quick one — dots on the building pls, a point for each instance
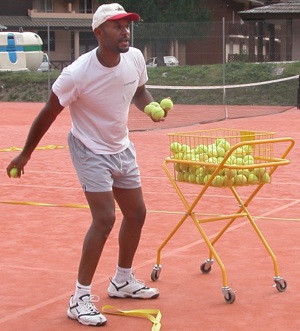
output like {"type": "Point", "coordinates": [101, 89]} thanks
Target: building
{"type": "Point", "coordinates": [63, 25]}
{"type": "Point", "coordinates": [276, 28]}
{"type": "Point", "coordinates": [65, 28]}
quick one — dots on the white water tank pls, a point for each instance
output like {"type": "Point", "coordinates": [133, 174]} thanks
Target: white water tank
{"type": "Point", "coordinates": [20, 51]}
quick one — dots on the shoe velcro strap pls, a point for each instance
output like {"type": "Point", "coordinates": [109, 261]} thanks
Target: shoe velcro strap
{"type": "Point", "coordinates": [144, 313]}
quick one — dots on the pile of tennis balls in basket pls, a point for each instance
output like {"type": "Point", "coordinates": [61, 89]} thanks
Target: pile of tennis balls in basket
{"type": "Point", "coordinates": [158, 110]}
{"type": "Point", "coordinates": [209, 157]}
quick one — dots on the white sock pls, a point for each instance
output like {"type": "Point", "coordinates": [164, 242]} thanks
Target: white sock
{"type": "Point", "coordinates": [81, 290]}
{"type": "Point", "coordinates": [122, 274]}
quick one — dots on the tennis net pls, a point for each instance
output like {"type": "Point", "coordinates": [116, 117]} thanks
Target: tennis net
{"type": "Point", "coordinates": [206, 104]}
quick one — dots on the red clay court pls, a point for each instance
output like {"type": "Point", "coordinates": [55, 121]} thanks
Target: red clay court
{"type": "Point", "coordinates": [44, 218]}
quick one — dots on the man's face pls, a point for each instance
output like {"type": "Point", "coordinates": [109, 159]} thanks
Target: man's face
{"type": "Point", "coordinates": [115, 35]}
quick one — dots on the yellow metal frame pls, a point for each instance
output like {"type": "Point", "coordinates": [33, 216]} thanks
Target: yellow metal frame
{"type": "Point", "coordinates": [266, 160]}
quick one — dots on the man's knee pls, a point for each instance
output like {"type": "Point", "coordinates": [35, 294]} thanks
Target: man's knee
{"type": "Point", "coordinates": [103, 223]}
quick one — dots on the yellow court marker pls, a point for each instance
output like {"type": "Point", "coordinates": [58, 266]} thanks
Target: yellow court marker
{"type": "Point", "coordinates": [14, 148]}
{"type": "Point", "coordinates": [146, 313]}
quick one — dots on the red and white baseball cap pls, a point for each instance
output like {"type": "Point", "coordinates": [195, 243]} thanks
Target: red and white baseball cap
{"type": "Point", "coordinates": [112, 12]}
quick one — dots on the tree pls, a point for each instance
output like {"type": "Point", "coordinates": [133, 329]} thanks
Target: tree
{"type": "Point", "coordinates": [154, 11]}
{"type": "Point", "coordinates": [162, 20]}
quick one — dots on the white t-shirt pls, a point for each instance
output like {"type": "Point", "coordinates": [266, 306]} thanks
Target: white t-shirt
{"type": "Point", "coordinates": [99, 98]}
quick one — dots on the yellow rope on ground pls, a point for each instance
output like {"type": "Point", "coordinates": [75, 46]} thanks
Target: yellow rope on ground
{"type": "Point", "coordinates": [31, 203]}
{"type": "Point", "coordinates": [144, 313]}
{"type": "Point", "coordinates": [14, 148]}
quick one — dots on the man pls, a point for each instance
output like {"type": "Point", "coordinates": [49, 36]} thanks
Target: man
{"type": "Point", "coordinates": [98, 88]}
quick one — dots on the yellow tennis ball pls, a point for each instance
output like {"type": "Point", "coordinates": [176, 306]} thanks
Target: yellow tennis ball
{"type": "Point", "coordinates": [218, 181]}
{"type": "Point", "coordinates": [157, 113]}
{"type": "Point", "coordinates": [166, 104]}
{"type": "Point", "coordinates": [180, 176]}
{"type": "Point", "coordinates": [14, 173]}
{"type": "Point", "coordinates": [148, 109]}
{"type": "Point", "coordinates": [266, 178]}
{"type": "Point", "coordinates": [175, 147]}
{"type": "Point", "coordinates": [252, 179]}
{"type": "Point", "coordinates": [154, 103]}
{"type": "Point", "coordinates": [240, 179]}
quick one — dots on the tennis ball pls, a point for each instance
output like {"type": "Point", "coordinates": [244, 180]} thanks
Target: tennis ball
{"type": "Point", "coordinates": [187, 156]}
{"type": "Point", "coordinates": [248, 159]}
{"type": "Point", "coordinates": [186, 176]}
{"type": "Point", "coordinates": [239, 161]}
{"type": "Point", "coordinates": [239, 152]}
{"type": "Point", "coordinates": [154, 103]}
{"type": "Point", "coordinates": [221, 151]}
{"type": "Point", "coordinates": [14, 173]}
{"type": "Point", "coordinates": [201, 171]}
{"type": "Point", "coordinates": [180, 176]}
{"type": "Point", "coordinates": [200, 149]}
{"type": "Point", "coordinates": [206, 178]}
{"type": "Point", "coordinates": [192, 169]}
{"type": "Point", "coordinates": [212, 159]}
{"type": "Point", "coordinates": [192, 178]}
{"type": "Point", "coordinates": [178, 156]}
{"type": "Point", "coordinates": [166, 104]}
{"type": "Point", "coordinates": [212, 150]}
{"type": "Point", "coordinates": [245, 172]}
{"type": "Point", "coordinates": [230, 173]}
{"type": "Point", "coordinates": [157, 113]}
{"type": "Point", "coordinates": [217, 181]}
{"type": "Point", "coordinates": [259, 172]}
{"type": "Point", "coordinates": [200, 179]}
{"type": "Point", "coordinates": [185, 148]}
{"type": "Point", "coordinates": [175, 147]}
{"type": "Point", "coordinates": [228, 181]}
{"type": "Point", "coordinates": [247, 149]}
{"type": "Point", "coordinates": [240, 179]}
{"type": "Point", "coordinates": [266, 178]}
{"type": "Point", "coordinates": [231, 160]}
{"type": "Point", "coordinates": [219, 140]}
{"type": "Point", "coordinates": [203, 157]}
{"type": "Point", "coordinates": [148, 109]}
{"type": "Point", "coordinates": [253, 179]}
{"type": "Point", "coordinates": [224, 144]}
{"type": "Point", "coordinates": [177, 167]}
{"type": "Point", "coordinates": [184, 167]}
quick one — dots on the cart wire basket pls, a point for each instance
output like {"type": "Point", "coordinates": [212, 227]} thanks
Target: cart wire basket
{"type": "Point", "coordinates": [226, 159]}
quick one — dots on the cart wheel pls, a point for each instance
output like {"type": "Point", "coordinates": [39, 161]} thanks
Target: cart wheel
{"type": "Point", "coordinates": [280, 285]}
{"type": "Point", "coordinates": [229, 296]}
{"type": "Point", "coordinates": [156, 272]}
{"type": "Point", "coordinates": [205, 269]}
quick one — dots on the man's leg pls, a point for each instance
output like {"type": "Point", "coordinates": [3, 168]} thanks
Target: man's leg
{"type": "Point", "coordinates": [133, 208]}
{"type": "Point", "coordinates": [81, 306]}
{"type": "Point", "coordinates": [102, 208]}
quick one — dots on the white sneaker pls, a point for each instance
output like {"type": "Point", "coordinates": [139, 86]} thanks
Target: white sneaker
{"type": "Point", "coordinates": [85, 312]}
{"type": "Point", "coordinates": [131, 289]}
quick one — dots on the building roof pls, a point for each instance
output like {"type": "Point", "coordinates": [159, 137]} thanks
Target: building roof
{"type": "Point", "coordinates": [281, 10]}
{"type": "Point", "coordinates": [15, 22]}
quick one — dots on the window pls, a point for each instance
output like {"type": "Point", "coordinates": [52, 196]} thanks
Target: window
{"type": "Point", "coordinates": [45, 6]}
{"type": "Point", "coordinates": [85, 6]}
{"type": "Point", "coordinates": [44, 37]}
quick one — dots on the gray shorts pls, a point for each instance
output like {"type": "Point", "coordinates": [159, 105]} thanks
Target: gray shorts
{"type": "Point", "coordinates": [102, 172]}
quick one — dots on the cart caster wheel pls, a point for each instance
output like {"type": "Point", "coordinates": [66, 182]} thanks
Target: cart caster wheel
{"type": "Point", "coordinates": [205, 267]}
{"type": "Point", "coordinates": [156, 272]}
{"type": "Point", "coordinates": [280, 284]}
{"type": "Point", "coordinates": [229, 295]}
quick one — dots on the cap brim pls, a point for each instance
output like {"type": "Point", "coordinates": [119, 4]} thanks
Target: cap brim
{"type": "Point", "coordinates": [129, 16]}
